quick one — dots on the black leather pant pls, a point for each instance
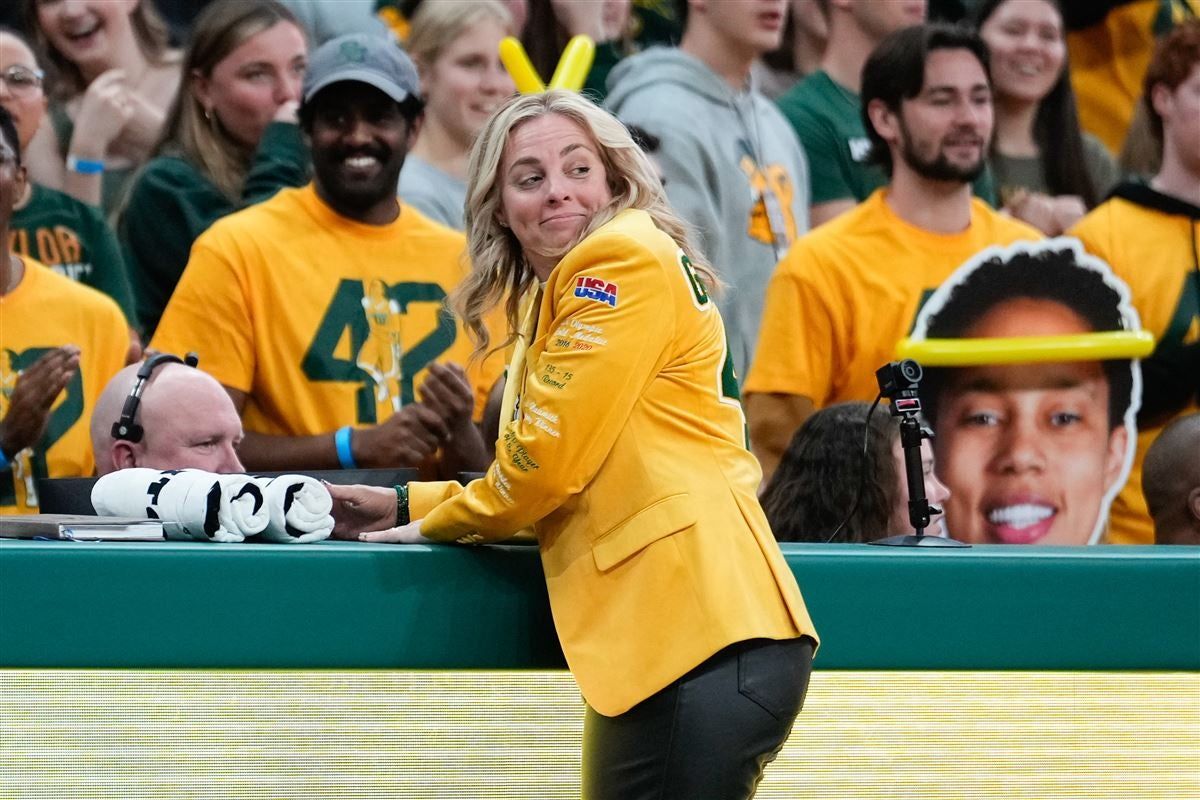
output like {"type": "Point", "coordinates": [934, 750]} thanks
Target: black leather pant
{"type": "Point", "coordinates": [707, 736]}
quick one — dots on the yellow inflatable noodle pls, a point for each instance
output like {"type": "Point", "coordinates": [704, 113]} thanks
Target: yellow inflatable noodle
{"type": "Point", "coordinates": [516, 61]}
{"type": "Point", "coordinates": [1027, 349]}
{"type": "Point", "coordinates": [573, 67]}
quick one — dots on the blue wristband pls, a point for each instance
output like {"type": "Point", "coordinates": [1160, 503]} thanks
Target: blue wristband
{"type": "Point", "coordinates": [341, 440]}
{"type": "Point", "coordinates": [85, 167]}
{"type": "Point", "coordinates": [5, 463]}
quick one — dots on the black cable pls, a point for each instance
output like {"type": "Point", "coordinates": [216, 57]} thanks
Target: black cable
{"type": "Point", "coordinates": [862, 472]}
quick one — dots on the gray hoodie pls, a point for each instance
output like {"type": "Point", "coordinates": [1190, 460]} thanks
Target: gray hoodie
{"type": "Point", "coordinates": [720, 149]}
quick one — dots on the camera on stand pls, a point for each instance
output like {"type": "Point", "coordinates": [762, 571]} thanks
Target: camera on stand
{"type": "Point", "coordinates": [899, 382]}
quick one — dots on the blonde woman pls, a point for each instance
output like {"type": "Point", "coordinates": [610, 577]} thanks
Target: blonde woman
{"type": "Point", "coordinates": [623, 448]}
{"type": "Point", "coordinates": [114, 76]}
{"type": "Point", "coordinates": [455, 46]}
{"type": "Point", "coordinates": [231, 139]}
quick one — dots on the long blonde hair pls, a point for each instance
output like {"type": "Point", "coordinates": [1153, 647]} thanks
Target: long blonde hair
{"type": "Point", "coordinates": [437, 23]}
{"type": "Point", "coordinates": [499, 270]}
{"type": "Point", "coordinates": [188, 131]}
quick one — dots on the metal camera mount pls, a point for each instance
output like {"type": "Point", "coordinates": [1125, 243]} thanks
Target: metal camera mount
{"type": "Point", "coordinates": [899, 382]}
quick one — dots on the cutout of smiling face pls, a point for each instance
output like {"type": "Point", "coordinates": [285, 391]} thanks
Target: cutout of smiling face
{"type": "Point", "coordinates": [1028, 451]}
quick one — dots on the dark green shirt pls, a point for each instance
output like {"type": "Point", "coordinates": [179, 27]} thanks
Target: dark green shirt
{"type": "Point", "coordinates": [828, 119]}
{"type": "Point", "coordinates": [73, 239]}
{"type": "Point", "coordinates": [172, 202]}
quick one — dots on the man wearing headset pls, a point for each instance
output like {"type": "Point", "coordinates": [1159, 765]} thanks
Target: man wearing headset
{"type": "Point", "coordinates": [165, 414]}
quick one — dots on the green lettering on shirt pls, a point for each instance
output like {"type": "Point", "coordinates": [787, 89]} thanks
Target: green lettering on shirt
{"type": "Point", "coordinates": [697, 286]}
{"type": "Point", "coordinates": [379, 362]}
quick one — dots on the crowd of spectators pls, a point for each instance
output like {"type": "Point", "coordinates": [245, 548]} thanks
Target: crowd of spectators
{"type": "Point", "coordinates": [233, 178]}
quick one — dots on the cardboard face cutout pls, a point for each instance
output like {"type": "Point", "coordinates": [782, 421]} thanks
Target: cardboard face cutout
{"type": "Point", "coordinates": [1035, 442]}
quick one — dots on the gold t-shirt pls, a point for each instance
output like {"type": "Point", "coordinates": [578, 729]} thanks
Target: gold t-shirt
{"type": "Point", "coordinates": [322, 321]}
{"type": "Point", "coordinates": [1154, 253]}
{"type": "Point", "coordinates": [849, 291]}
{"type": "Point", "coordinates": [47, 310]}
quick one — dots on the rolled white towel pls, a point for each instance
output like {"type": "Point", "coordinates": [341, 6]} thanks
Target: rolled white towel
{"type": "Point", "coordinates": [193, 504]}
{"type": "Point", "coordinates": [300, 508]}
{"type": "Point", "coordinates": [242, 505]}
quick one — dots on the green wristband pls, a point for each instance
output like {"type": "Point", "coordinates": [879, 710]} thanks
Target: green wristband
{"type": "Point", "coordinates": [402, 505]}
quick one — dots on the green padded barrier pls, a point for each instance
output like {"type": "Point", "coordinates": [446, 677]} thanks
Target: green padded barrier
{"type": "Point", "coordinates": [350, 605]}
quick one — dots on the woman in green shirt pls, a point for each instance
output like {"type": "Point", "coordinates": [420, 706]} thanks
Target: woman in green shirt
{"type": "Point", "coordinates": [231, 139]}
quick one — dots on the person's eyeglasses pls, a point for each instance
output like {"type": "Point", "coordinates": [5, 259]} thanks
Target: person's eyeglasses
{"type": "Point", "coordinates": [22, 81]}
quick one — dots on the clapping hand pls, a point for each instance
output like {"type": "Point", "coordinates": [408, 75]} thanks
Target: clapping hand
{"type": "Point", "coordinates": [33, 396]}
{"type": "Point", "coordinates": [407, 438]}
{"type": "Point", "coordinates": [447, 391]}
{"type": "Point", "coordinates": [440, 419]}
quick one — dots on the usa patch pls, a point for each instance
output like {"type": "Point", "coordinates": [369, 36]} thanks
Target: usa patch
{"type": "Point", "coordinates": [597, 289]}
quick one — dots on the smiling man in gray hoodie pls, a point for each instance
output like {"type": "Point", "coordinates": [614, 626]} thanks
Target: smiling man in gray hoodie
{"type": "Point", "coordinates": [733, 166]}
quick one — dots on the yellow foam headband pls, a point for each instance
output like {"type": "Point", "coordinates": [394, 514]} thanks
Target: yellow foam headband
{"type": "Point", "coordinates": [1027, 349]}
{"type": "Point", "coordinates": [570, 73]}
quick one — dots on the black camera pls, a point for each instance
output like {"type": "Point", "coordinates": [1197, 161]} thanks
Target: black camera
{"type": "Point", "coordinates": [899, 378]}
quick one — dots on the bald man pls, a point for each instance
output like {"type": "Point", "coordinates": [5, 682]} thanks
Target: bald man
{"type": "Point", "coordinates": [188, 418]}
{"type": "Point", "coordinates": [1171, 482]}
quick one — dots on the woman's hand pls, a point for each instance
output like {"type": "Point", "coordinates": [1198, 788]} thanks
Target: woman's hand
{"type": "Point", "coordinates": [105, 110]}
{"type": "Point", "coordinates": [580, 18]}
{"type": "Point", "coordinates": [288, 112]}
{"type": "Point", "coordinates": [1050, 215]}
{"type": "Point", "coordinates": [144, 126]}
{"type": "Point", "coordinates": [1068, 209]}
{"type": "Point", "coordinates": [361, 508]}
{"type": "Point", "coordinates": [1032, 208]}
{"type": "Point", "coordinates": [602, 20]}
{"type": "Point", "coordinates": [405, 534]}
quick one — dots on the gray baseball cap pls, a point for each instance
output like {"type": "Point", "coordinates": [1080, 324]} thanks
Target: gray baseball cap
{"type": "Point", "coordinates": [363, 58]}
